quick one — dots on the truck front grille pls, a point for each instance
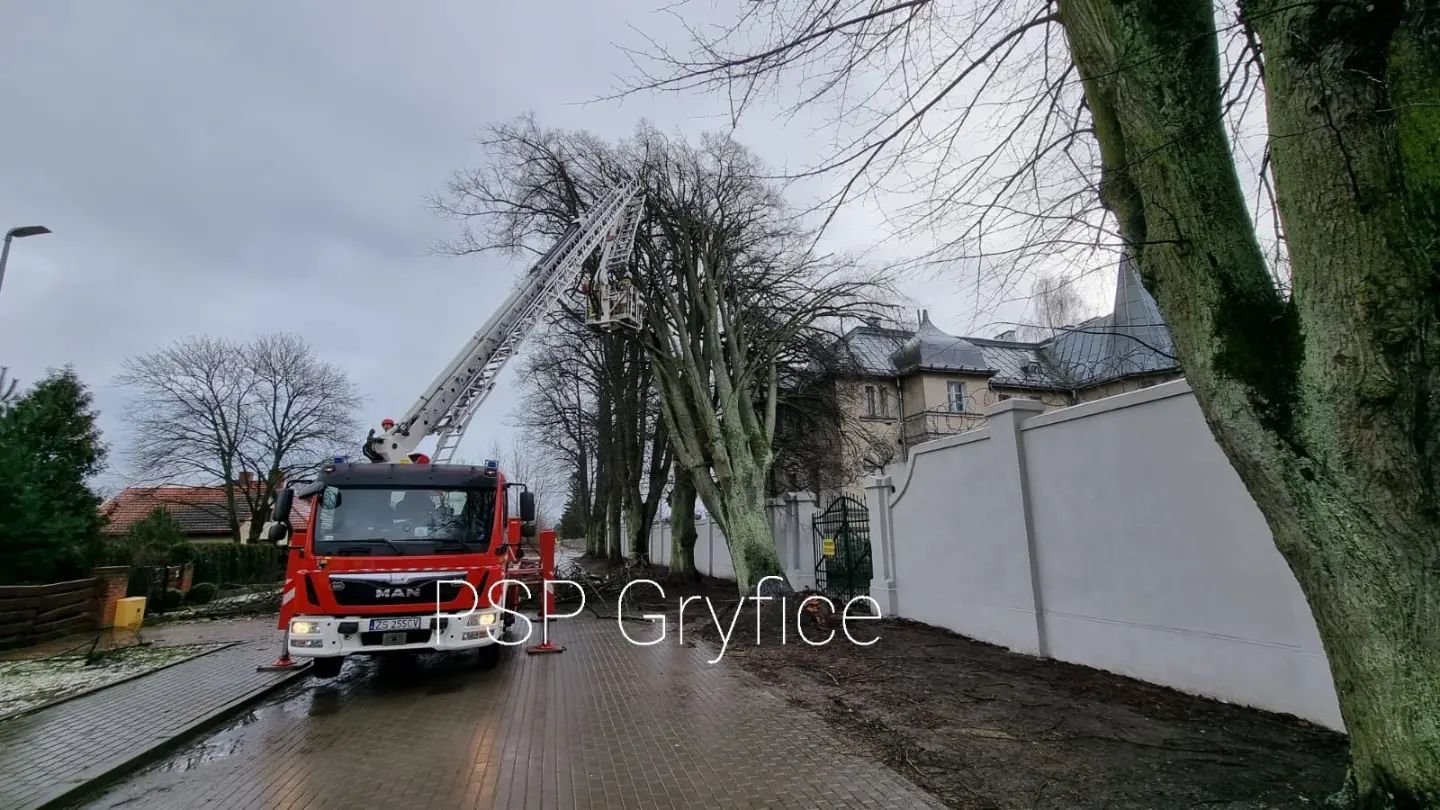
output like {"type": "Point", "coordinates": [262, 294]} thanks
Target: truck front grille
{"type": "Point", "coordinates": [364, 591]}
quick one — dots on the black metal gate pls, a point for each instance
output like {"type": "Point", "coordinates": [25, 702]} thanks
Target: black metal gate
{"type": "Point", "coordinates": [842, 548]}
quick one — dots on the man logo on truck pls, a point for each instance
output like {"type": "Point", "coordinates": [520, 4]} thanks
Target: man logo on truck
{"type": "Point", "coordinates": [398, 593]}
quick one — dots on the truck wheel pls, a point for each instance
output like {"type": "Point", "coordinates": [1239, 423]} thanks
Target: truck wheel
{"type": "Point", "coordinates": [327, 667]}
{"type": "Point", "coordinates": [489, 656]}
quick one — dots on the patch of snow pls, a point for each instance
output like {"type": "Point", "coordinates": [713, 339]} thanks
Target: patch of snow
{"type": "Point", "coordinates": [25, 684]}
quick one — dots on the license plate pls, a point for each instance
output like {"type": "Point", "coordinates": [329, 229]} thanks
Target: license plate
{"type": "Point", "coordinates": [392, 638]}
{"type": "Point", "coordinates": [407, 623]}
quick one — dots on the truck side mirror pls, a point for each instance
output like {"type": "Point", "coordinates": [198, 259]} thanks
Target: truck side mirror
{"type": "Point", "coordinates": [280, 513]}
{"type": "Point", "coordinates": [278, 533]}
{"type": "Point", "coordinates": [527, 507]}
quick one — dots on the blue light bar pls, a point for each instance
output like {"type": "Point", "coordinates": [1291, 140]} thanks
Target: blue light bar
{"type": "Point", "coordinates": [491, 466]}
{"type": "Point", "coordinates": [341, 459]}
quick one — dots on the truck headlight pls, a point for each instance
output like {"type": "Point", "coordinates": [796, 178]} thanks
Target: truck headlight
{"type": "Point", "coordinates": [303, 628]}
{"type": "Point", "coordinates": [487, 618]}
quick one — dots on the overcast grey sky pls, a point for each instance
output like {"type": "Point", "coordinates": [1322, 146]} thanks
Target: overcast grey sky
{"type": "Point", "coordinates": [235, 169]}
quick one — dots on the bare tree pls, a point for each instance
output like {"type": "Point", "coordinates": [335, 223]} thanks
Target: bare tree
{"type": "Point", "coordinates": [191, 415]}
{"type": "Point", "coordinates": [303, 410]}
{"type": "Point", "coordinates": [557, 412]}
{"type": "Point", "coordinates": [245, 416]}
{"type": "Point", "coordinates": [734, 296]}
{"type": "Point", "coordinates": [741, 249]}
{"type": "Point", "coordinates": [534, 183]}
{"type": "Point", "coordinates": [524, 462]}
{"type": "Point", "coordinates": [8, 385]}
{"type": "Point", "coordinates": [1054, 304]}
{"type": "Point", "coordinates": [1296, 270]}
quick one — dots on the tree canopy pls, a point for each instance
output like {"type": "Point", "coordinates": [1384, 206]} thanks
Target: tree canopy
{"type": "Point", "coordinates": [49, 448]}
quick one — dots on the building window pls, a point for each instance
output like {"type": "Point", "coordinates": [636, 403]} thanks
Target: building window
{"type": "Point", "coordinates": [871, 401]}
{"type": "Point", "coordinates": [955, 390]}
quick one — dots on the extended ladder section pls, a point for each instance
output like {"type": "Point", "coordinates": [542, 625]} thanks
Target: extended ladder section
{"type": "Point", "coordinates": [616, 302]}
{"type": "Point", "coordinates": [450, 402]}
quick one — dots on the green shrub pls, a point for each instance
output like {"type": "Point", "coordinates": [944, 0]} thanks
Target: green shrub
{"type": "Point", "coordinates": [172, 598]}
{"type": "Point", "coordinates": [201, 592]}
{"type": "Point", "coordinates": [181, 553]}
{"type": "Point", "coordinates": [152, 537]}
{"type": "Point", "coordinates": [115, 551]}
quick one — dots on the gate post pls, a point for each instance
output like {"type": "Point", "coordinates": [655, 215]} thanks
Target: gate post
{"type": "Point", "coordinates": [800, 565]}
{"type": "Point", "coordinates": [779, 530]}
{"type": "Point", "coordinates": [882, 545]}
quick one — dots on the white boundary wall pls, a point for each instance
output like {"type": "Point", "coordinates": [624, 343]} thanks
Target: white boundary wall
{"type": "Point", "coordinates": [789, 520]}
{"type": "Point", "coordinates": [1113, 534]}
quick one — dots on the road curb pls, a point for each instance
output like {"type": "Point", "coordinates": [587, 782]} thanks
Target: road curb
{"type": "Point", "coordinates": [151, 752]}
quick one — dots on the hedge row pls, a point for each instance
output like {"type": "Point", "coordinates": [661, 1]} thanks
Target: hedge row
{"type": "Point", "coordinates": [221, 563]}
{"type": "Point", "coordinates": [233, 564]}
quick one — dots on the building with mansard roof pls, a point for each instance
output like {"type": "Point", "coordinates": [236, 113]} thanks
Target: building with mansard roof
{"type": "Point", "coordinates": [903, 387]}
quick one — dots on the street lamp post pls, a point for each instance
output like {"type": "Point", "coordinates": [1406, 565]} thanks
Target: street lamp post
{"type": "Point", "coordinates": [20, 232]}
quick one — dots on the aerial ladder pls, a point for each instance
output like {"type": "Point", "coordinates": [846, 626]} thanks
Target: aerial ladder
{"type": "Point", "coordinates": [447, 406]}
{"type": "Point", "coordinates": [378, 562]}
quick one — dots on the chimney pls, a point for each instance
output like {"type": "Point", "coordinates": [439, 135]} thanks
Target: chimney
{"type": "Point", "coordinates": [246, 479]}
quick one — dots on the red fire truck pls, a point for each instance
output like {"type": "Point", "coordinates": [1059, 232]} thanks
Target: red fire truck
{"type": "Point", "coordinates": [402, 553]}
{"type": "Point", "coordinates": [400, 557]}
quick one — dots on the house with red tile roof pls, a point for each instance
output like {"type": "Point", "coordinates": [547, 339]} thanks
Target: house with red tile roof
{"type": "Point", "coordinates": [202, 511]}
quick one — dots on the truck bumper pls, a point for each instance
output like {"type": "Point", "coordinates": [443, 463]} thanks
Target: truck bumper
{"type": "Point", "coordinates": [326, 636]}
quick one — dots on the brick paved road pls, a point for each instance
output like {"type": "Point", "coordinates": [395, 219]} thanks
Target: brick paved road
{"type": "Point", "coordinates": [46, 754]}
{"type": "Point", "coordinates": [604, 725]}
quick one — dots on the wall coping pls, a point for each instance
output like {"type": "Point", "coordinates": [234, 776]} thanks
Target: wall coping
{"type": "Point", "coordinates": [1013, 404]}
{"type": "Point", "coordinates": [1129, 399]}
{"type": "Point", "coordinates": [968, 437]}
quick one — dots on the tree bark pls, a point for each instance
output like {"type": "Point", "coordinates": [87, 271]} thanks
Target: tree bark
{"type": "Point", "coordinates": [1322, 400]}
{"type": "Point", "coordinates": [746, 523]}
{"type": "Point", "coordinates": [596, 544]}
{"type": "Point", "coordinates": [682, 529]}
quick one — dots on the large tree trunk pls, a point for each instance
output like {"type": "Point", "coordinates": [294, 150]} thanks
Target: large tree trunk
{"type": "Point", "coordinates": [614, 522]}
{"type": "Point", "coordinates": [657, 470]}
{"type": "Point", "coordinates": [738, 505]}
{"type": "Point", "coordinates": [232, 505]}
{"type": "Point", "coordinates": [596, 540]}
{"type": "Point", "coordinates": [595, 512]}
{"type": "Point", "coordinates": [682, 528]}
{"type": "Point", "coordinates": [1324, 400]}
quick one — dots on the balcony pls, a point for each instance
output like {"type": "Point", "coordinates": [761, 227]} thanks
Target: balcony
{"type": "Point", "coordinates": [925, 426]}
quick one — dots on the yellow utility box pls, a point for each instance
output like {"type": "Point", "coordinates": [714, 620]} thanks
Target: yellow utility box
{"type": "Point", "coordinates": [130, 612]}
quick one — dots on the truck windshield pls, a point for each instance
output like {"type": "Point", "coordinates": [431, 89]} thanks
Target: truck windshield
{"type": "Point", "coordinates": [376, 520]}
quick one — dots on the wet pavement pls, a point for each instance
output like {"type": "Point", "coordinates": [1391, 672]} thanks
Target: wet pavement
{"type": "Point", "coordinates": [49, 753]}
{"type": "Point", "coordinates": [605, 724]}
